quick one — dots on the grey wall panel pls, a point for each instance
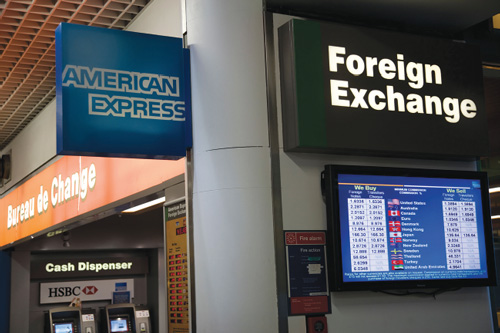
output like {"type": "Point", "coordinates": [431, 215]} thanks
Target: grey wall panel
{"type": "Point", "coordinates": [33, 147]}
{"type": "Point", "coordinates": [20, 292]}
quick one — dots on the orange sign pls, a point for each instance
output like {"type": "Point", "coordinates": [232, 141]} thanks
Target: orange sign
{"type": "Point", "coordinates": [76, 185]}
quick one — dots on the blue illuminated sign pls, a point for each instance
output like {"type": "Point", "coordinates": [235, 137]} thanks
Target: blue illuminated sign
{"type": "Point", "coordinates": [121, 93]}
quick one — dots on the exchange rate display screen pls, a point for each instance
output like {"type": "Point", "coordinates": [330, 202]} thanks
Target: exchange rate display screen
{"type": "Point", "coordinates": [407, 228]}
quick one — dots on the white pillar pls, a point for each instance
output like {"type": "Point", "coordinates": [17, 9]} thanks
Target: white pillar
{"type": "Point", "coordinates": [232, 206]}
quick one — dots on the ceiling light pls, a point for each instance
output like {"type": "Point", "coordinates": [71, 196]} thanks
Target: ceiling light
{"type": "Point", "coordinates": [495, 217]}
{"type": "Point", "coordinates": [494, 189]}
{"type": "Point", "coordinates": [145, 205]}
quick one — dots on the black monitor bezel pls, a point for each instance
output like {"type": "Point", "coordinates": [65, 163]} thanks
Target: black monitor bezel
{"type": "Point", "coordinates": [330, 188]}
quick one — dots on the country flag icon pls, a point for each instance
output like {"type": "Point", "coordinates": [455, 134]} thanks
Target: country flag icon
{"type": "Point", "coordinates": [395, 223]}
{"type": "Point", "coordinates": [397, 246]}
{"type": "Point", "coordinates": [393, 204]}
{"type": "Point", "coordinates": [397, 267]}
{"type": "Point", "coordinates": [398, 229]}
{"type": "Point", "coordinates": [397, 262]}
{"type": "Point", "coordinates": [395, 234]}
{"type": "Point", "coordinates": [394, 213]}
{"type": "Point", "coordinates": [396, 240]}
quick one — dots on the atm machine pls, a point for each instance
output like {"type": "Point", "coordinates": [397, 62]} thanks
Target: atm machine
{"type": "Point", "coordinates": [70, 320]}
{"type": "Point", "coordinates": [126, 318]}
{"type": "Point", "coordinates": [89, 320]}
{"type": "Point", "coordinates": [143, 321]}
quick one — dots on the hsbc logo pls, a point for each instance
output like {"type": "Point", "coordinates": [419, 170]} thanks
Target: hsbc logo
{"type": "Point", "coordinates": [89, 290]}
{"type": "Point", "coordinates": [72, 291]}
{"type": "Point", "coordinates": [64, 291]}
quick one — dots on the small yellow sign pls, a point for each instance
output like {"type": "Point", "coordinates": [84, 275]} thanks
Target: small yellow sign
{"type": "Point", "coordinates": [177, 267]}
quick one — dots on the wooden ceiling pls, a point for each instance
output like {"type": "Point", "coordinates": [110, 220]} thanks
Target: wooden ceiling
{"type": "Point", "coordinates": [27, 50]}
{"type": "Point", "coordinates": [27, 57]}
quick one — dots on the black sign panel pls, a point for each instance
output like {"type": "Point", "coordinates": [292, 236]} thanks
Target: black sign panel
{"type": "Point", "coordinates": [83, 267]}
{"type": "Point", "coordinates": [348, 89]}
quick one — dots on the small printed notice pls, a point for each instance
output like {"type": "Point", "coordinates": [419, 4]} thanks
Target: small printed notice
{"type": "Point", "coordinates": [308, 291]}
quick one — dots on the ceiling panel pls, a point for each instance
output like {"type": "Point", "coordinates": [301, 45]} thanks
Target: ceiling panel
{"type": "Point", "coordinates": [27, 50]}
{"type": "Point", "coordinates": [436, 16]}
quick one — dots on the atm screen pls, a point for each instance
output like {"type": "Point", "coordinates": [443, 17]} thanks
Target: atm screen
{"type": "Point", "coordinates": [119, 325]}
{"type": "Point", "coordinates": [63, 328]}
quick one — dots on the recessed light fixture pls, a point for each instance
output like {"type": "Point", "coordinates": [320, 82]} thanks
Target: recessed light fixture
{"type": "Point", "coordinates": [145, 205]}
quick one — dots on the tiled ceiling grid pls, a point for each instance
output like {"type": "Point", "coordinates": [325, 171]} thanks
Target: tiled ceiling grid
{"type": "Point", "coordinates": [27, 50]}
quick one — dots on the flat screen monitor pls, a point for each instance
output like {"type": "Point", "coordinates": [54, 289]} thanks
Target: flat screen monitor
{"type": "Point", "coordinates": [63, 327]}
{"type": "Point", "coordinates": [119, 325]}
{"type": "Point", "coordinates": [392, 228]}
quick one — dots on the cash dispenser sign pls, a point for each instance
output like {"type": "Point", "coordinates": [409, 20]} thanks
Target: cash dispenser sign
{"type": "Point", "coordinates": [346, 88]}
{"type": "Point", "coordinates": [121, 93]}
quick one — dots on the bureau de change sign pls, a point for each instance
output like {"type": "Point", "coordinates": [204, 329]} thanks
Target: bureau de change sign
{"type": "Point", "coordinates": [348, 89]}
{"type": "Point", "coordinates": [121, 93]}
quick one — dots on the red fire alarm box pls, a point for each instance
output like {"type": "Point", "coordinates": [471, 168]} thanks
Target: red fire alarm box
{"type": "Point", "coordinates": [317, 324]}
